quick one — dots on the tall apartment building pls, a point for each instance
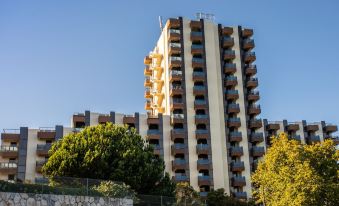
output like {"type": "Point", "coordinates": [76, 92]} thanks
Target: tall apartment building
{"type": "Point", "coordinates": [202, 112]}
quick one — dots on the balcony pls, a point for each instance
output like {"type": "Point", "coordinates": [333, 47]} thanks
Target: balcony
{"type": "Point", "coordinates": [253, 96]}
{"type": "Point", "coordinates": [178, 148]}
{"type": "Point", "coordinates": [257, 137]}
{"type": "Point", "coordinates": [173, 23]}
{"type": "Point", "coordinates": [8, 167]}
{"type": "Point", "coordinates": [201, 133]}
{"type": "Point", "coordinates": [128, 119]}
{"type": "Point", "coordinates": [235, 136]}
{"type": "Point", "coordinates": [255, 164]}
{"type": "Point", "coordinates": [249, 57]}
{"type": "Point", "coordinates": [227, 31]}
{"type": "Point", "coordinates": [314, 138]}
{"type": "Point", "coordinates": [177, 118]}
{"type": "Point", "coordinates": [199, 90]}
{"type": "Point", "coordinates": [174, 35]}
{"type": "Point", "coordinates": [230, 68]}
{"type": "Point", "coordinates": [147, 71]}
{"type": "Point", "coordinates": [179, 164]}
{"type": "Point", "coordinates": [104, 118]}
{"type": "Point", "coordinates": [204, 180]}
{"type": "Point", "coordinates": [252, 82]}
{"type": "Point", "coordinates": [227, 42]}
{"type": "Point", "coordinates": [240, 195]}
{"type": "Point", "coordinates": [203, 149]}
{"type": "Point", "coordinates": [236, 151]}
{"type": "Point", "coordinates": [200, 104]}
{"type": "Point", "coordinates": [9, 151]}
{"type": "Point", "coordinates": [312, 127]}
{"type": "Point", "coordinates": [201, 118]}
{"type": "Point", "coordinates": [46, 134]}
{"type": "Point", "coordinates": [251, 70]}
{"type": "Point", "coordinates": [254, 109]}
{"type": "Point", "coordinates": [255, 123]}
{"type": "Point", "coordinates": [229, 55]}
{"type": "Point", "coordinates": [174, 62]}
{"type": "Point", "coordinates": [234, 122]}
{"type": "Point", "coordinates": [233, 108]}
{"type": "Point", "coordinates": [10, 135]}
{"type": "Point", "coordinates": [180, 178]}
{"type": "Point", "coordinates": [237, 166]}
{"type": "Point", "coordinates": [147, 60]}
{"type": "Point", "coordinates": [198, 76]}
{"type": "Point", "coordinates": [248, 44]}
{"type": "Point", "coordinates": [258, 151]}
{"type": "Point", "coordinates": [39, 165]}
{"type": "Point", "coordinates": [176, 104]}
{"type": "Point", "coordinates": [147, 83]}
{"type": "Point", "coordinates": [153, 134]}
{"type": "Point", "coordinates": [176, 90]}
{"type": "Point", "coordinates": [247, 33]}
{"type": "Point", "coordinates": [203, 164]}
{"type": "Point", "coordinates": [148, 93]}
{"type": "Point", "coordinates": [196, 36]}
{"type": "Point", "coordinates": [230, 81]}
{"type": "Point", "coordinates": [177, 134]}
{"type": "Point", "coordinates": [42, 149]}
{"type": "Point", "coordinates": [295, 137]}
{"type": "Point", "coordinates": [195, 25]}
{"type": "Point", "coordinates": [273, 126]}
{"type": "Point", "coordinates": [331, 128]}
{"type": "Point", "coordinates": [238, 181]}
{"type": "Point", "coordinates": [175, 75]}
{"type": "Point", "coordinates": [197, 49]}
{"type": "Point", "coordinates": [292, 126]}
{"type": "Point", "coordinates": [148, 105]}
{"type": "Point", "coordinates": [79, 120]}
{"type": "Point", "coordinates": [151, 119]}
{"type": "Point", "coordinates": [198, 62]}
{"type": "Point", "coordinates": [156, 149]}
{"type": "Point", "coordinates": [174, 48]}
{"type": "Point", "coordinates": [232, 94]}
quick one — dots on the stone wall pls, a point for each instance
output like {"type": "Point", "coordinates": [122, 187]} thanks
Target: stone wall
{"type": "Point", "coordinates": [22, 199]}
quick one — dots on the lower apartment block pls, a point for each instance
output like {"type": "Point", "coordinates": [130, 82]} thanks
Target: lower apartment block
{"type": "Point", "coordinates": [24, 151]}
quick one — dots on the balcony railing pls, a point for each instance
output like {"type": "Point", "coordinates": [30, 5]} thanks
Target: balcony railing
{"type": "Point", "coordinates": [174, 31]}
{"type": "Point", "coordinates": [197, 46]}
{"type": "Point", "coordinates": [175, 58]}
{"type": "Point", "coordinates": [180, 177]}
{"type": "Point", "coordinates": [235, 136]}
{"type": "Point", "coordinates": [178, 116]}
{"type": "Point", "coordinates": [197, 60]}
{"type": "Point", "coordinates": [8, 149]}
{"type": "Point", "coordinates": [8, 165]}
{"type": "Point", "coordinates": [153, 131]}
{"type": "Point", "coordinates": [203, 161]}
{"type": "Point", "coordinates": [201, 131]}
{"type": "Point", "coordinates": [196, 33]}
{"type": "Point", "coordinates": [175, 45]}
{"type": "Point", "coordinates": [44, 147]}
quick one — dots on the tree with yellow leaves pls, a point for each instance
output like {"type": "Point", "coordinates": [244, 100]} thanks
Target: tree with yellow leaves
{"type": "Point", "coordinates": [295, 174]}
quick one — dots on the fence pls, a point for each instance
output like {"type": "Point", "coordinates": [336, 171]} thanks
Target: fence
{"type": "Point", "coordinates": [80, 187]}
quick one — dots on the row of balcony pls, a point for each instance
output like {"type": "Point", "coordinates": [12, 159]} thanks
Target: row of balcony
{"type": "Point", "coordinates": [295, 126]}
{"type": "Point", "coordinates": [254, 137]}
{"type": "Point", "coordinates": [235, 122]}
{"type": "Point", "coordinates": [232, 81]}
{"type": "Point", "coordinates": [231, 68]}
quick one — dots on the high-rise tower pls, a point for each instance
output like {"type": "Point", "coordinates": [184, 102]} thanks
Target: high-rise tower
{"type": "Point", "coordinates": [202, 75]}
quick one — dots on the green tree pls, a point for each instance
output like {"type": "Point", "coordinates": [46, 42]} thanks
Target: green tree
{"type": "Point", "coordinates": [220, 198]}
{"type": "Point", "coordinates": [108, 152]}
{"type": "Point", "coordinates": [295, 174]}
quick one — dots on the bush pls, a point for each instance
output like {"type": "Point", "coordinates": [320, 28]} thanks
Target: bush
{"type": "Point", "coordinates": [112, 189]}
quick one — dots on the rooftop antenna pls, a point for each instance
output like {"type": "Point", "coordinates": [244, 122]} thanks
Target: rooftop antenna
{"type": "Point", "coordinates": [160, 23]}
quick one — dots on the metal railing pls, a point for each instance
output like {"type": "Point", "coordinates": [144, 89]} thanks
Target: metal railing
{"type": "Point", "coordinates": [4, 165]}
{"type": "Point", "coordinates": [174, 31]}
{"type": "Point", "coordinates": [196, 33]}
{"type": "Point", "coordinates": [175, 58]}
{"type": "Point", "coordinates": [46, 129]}
{"type": "Point", "coordinates": [176, 45]}
{"type": "Point", "coordinates": [197, 60]}
{"type": "Point", "coordinates": [11, 131]}
{"type": "Point", "coordinates": [178, 116]}
{"type": "Point", "coordinates": [8, 148]}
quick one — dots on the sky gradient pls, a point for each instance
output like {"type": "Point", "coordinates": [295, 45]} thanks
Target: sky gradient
{"type": "Point", "coordinates": [61, 57]}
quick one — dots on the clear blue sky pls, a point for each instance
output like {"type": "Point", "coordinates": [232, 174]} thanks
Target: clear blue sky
{"type": "Point", "coordinates": [60, 57]}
